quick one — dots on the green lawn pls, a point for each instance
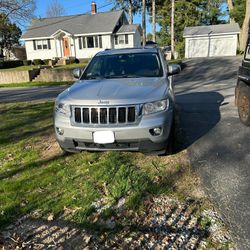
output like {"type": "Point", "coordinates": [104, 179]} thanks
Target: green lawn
{"type": "Point", "coordinates": [34, 84]}
{"type": "Point", "coordinates": [21, 68]}
{"type": "Point", "coordinates": [36, 176]}
{"type": "Point", "coordinates": [68, 66]}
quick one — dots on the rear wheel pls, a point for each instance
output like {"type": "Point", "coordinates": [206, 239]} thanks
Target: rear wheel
{"type": "Point", "coordinates": [243, 104]}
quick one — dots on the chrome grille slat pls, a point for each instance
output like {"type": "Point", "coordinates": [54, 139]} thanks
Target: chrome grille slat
{"type": "Point", "coordinates": [116, 115]}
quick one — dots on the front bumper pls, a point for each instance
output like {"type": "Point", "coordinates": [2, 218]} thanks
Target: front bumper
{"type": "Point", "coordinates": [127, 138]}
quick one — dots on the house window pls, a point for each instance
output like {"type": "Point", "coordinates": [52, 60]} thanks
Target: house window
{"type": "Point", "coordinates": [121, 39]}
{"type": "Point", "coordinates": [90, 42]}
{"type": "Point", "coordinates": [41, 44]}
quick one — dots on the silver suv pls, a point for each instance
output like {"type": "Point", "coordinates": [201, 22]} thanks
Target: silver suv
{"type": "Point", "coordinates": [123, 100]}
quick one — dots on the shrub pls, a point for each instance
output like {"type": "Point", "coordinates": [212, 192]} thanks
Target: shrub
{"type": "Point", "coordinates": [77, 60]}
{"type": "Point", "coordinates": [10, 64]}
{"type": "Point", "coordinates": [27, 62]}
{"type": "Point", "coordinates": [38, 62]}
{"type": "Point", "coordinates": [46, 61]}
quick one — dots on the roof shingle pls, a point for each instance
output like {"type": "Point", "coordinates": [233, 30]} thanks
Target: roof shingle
{"type": "Point", "coordinates": [212, 29]}
{"type": "Point", "coordinates": [77, 24]}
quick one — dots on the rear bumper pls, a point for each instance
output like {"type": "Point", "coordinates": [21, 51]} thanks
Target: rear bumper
{"type": "Point", "coordinates": [127, 138]}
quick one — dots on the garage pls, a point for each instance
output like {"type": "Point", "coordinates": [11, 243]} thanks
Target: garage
{"type": "Point", "coordinates": [211, 41]}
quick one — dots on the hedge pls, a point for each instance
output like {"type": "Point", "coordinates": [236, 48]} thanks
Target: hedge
{"type": "Point", "coordinates": [10, 64]}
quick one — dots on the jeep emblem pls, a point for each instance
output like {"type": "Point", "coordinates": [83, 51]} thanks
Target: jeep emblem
{"type": "Point", "coordinates": [103, 102]}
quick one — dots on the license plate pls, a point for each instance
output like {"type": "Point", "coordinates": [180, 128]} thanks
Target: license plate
{"type": "Point", "coordinates": [104, 137]}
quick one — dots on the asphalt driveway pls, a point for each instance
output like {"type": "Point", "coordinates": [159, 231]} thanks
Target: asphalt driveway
{"type": "Point", "coordinates": [218, 144]}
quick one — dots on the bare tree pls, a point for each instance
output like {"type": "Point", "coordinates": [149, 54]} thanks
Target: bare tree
{"type": "Point", "coordinates": [18, 10]}
{"type": "Point", "coordinates": [143, 12]}
{"type": "Point", "coordinates": [54, 9]}
{"type": "Point", "coordinates": [245, 27]}
{"type": "Point", "coordinates": [230, 7]}
{"type": "Point", "coordinates": [153, 21]}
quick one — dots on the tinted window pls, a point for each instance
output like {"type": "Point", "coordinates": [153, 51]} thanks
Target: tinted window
{"type": "Point", "coordinates": [124, 65]}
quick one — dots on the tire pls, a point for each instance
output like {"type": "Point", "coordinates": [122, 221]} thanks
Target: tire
{"type": "Point", "coordinates": [243, 104]}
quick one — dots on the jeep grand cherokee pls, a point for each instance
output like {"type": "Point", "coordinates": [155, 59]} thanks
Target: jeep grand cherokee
{"type": "Point", "coordinates": [123, 100]}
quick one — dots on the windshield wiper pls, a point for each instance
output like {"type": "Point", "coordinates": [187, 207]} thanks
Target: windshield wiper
{"type": "Point", "coordinates": [122, 76]}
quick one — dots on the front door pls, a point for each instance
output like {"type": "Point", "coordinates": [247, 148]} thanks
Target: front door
{"type": "Point", "coordinates": [66, 48]}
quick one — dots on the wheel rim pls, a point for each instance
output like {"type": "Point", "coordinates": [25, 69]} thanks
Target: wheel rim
{"type": "Point", "coordinates": [244, 107]}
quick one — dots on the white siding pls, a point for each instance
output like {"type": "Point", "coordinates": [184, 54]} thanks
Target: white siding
{"type": "Point", "coordinates": [90, 52]}
{"type": "Point", "coordinates": [137, 39]}
{"type": "Point", "coordinates": [217, 45]}
{"type": "Point", "coordinates": [134, 40]}
{"type": "Point", "coordinates": [130, 42]}
{"type": "Point", "coordinates": [40, 54]}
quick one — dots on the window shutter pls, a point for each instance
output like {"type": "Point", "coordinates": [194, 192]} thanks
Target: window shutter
{"type": "Point", "coordinates": [126, 39]}
{"type": "Point", "coordinates": [34, 44]}
{"type": "Point", "coordinates": [80, 42]}
{"type": "Point", "coordinates": [49, 45]}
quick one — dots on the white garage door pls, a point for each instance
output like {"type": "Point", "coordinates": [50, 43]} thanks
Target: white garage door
{"type": "Point", "coordinates": [215, 46]}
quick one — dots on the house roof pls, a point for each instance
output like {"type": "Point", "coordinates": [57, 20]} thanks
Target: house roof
{"type": "Point", "coordinates": [211, 29]}
{"type": "Point", "coordinates": [77, 24]}
{"type": "Point", "coordinates": [128, 28]}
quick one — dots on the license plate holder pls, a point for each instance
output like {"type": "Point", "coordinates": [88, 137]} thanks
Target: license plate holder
{"type": "Point", "coordinates": [104, 137]}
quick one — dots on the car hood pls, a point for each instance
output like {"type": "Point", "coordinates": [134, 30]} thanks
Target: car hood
{"type": "Point", "coordinates": [116, 91]}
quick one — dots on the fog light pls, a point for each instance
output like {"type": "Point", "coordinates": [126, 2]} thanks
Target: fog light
{"type": "Point", "coordinates": [60, 131]}
{"type": "Point", "coordinates": [155, 131]}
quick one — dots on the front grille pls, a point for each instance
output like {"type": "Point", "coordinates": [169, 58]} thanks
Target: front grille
{"type": "Point", "coordinates": [104, 115]}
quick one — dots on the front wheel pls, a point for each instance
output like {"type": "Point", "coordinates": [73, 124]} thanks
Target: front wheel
{"type": "Point", "coordinates": [243, 104]}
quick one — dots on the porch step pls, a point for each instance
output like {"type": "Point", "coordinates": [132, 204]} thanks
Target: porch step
{"type": "Point", "coordinates": [61, 61]}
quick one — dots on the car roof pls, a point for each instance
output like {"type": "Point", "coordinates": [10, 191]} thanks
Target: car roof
{"type": "Point", "coordinates": [128, 51]}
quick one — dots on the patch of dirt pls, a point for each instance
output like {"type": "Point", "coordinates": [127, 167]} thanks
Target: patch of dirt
{"type": "Point", "coordinates": [49, 147]}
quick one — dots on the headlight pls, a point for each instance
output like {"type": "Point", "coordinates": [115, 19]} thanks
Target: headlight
{"type": "Point", "coordinates": [153, 107]}
{"type": "Point", "coordinates": [63, 109]}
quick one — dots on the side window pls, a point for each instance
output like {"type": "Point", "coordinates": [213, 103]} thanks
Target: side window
{"type": "Point", "coordinates": [247, 53]}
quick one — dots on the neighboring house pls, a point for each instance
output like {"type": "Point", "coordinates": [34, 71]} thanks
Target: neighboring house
{"type": "Point", "coordinates": [80, 36]}
{"type": "Point", "coordinates": [213, 40]}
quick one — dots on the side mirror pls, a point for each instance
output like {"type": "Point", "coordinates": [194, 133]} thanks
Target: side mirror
{"type": "Point", "coordinates": [77, 73]}
{"type": "Point", "coordinates": [174, 69]}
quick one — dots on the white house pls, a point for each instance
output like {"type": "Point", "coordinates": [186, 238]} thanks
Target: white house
{"type": "Point", "coordinates": [212, 40]}
{"type": "Point", "coordinates": [80, 36]}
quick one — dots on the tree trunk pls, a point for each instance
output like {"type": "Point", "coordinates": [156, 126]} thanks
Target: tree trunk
{"type": "Point", "coordinates": [130, 12]}
{"type": "Point", "coordinates": [230, 7]}
{"type": "Point", "coordinates": [153, 21]}
{"type": "Point", "coordinates": [144, 22]}
{"type": "Point", "coordinates": [245, 27]}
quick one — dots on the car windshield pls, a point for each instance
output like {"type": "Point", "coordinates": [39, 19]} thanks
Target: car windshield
{"type": "Point", "coordinates": [124, 66]}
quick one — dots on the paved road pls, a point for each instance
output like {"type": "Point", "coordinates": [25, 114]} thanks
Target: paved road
{"type": "Point", "coordinates": [29, 94]}
{"type": "Point", "coordinates": [218, 144]}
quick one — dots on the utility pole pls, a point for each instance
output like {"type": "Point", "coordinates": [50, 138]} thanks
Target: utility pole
{"type": "Point", "coordinates": [153, 20]}
{"type": "Point", "coordinates": [172, 28]}
{"type": "Point", "coordinates": [144, 22]}
{"type": "Point", "coordinates": [130, 11]}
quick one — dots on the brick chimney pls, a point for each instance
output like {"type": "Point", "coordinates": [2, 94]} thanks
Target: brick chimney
{"type": "Point", "coordinates": [93, 8]}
